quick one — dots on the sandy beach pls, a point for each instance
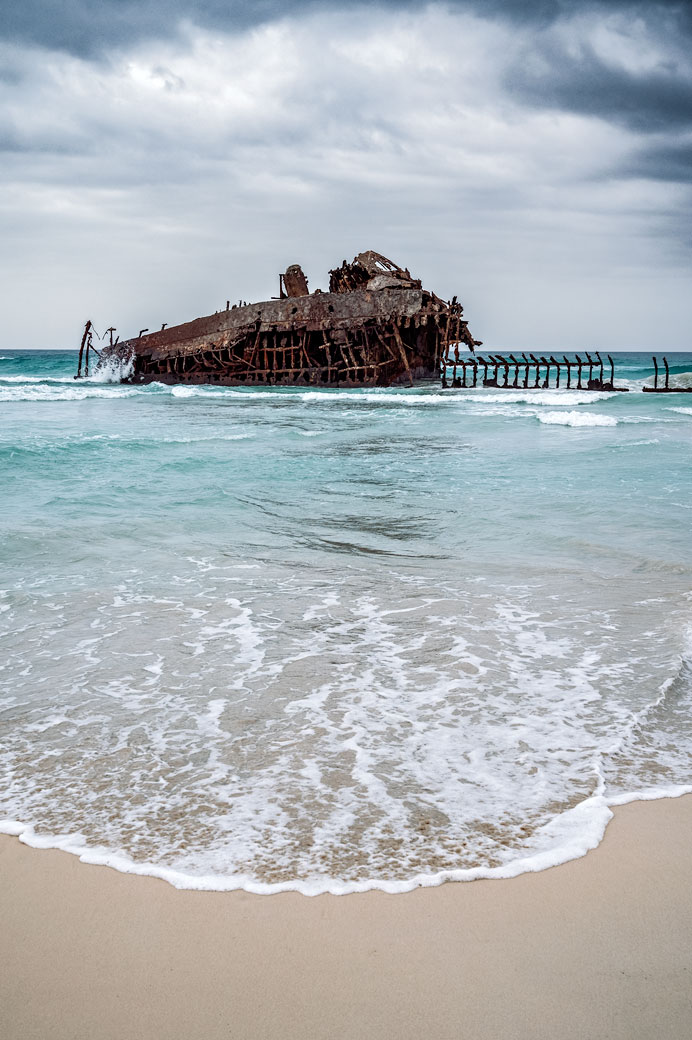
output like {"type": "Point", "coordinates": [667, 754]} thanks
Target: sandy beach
{"type": "Point", "coordinates": [599, 947]}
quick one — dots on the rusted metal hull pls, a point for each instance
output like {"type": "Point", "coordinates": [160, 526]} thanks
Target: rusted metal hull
{"type": "Point", "coordinates": [361, 337]}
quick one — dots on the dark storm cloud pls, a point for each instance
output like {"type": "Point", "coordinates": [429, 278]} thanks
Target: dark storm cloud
{"type": "Point", "coordinates": [668, 161]}
{"type": "Point", "coordinates": [559, 74]}
{"type": "Point", "coordinates": [85, 27]}
{"type": "Point", "coordinates": [560, 67]}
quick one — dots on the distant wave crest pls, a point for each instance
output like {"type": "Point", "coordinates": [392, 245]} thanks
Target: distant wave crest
{"type": "Point", "coordinates": [577, 419]}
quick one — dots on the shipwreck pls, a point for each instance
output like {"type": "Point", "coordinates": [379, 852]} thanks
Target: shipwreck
{"type": "Point", "coordinates": [377, 326]}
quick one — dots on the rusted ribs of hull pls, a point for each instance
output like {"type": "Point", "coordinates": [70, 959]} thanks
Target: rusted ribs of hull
{"type": "Point", "coordinates": [666, 388]}
{"type": "Point", "coordinates": [369, 354]}
{"type": "Point", "coordinates": [512, 373]}
{"type": "Point", "coordinates": [376, 327]}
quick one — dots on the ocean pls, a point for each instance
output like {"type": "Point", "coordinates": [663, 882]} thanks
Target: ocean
{"type": "Point", "coordinates": [336, 640]}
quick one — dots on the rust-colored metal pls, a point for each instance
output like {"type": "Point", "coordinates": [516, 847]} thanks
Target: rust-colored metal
{"type": "Point", "coordinates": [294, 281]}
{"type": "Point", "coordinates": [376, 326]}
{"type": "Point", "coordinates": [666, 388]}
{"type": "Point", "coordinates": [86, 341]}
{"type": "Point", "coordinates": [506, 373]}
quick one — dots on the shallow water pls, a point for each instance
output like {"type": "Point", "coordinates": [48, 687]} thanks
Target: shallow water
{"type": "Point", "coordinates": [334, 640]}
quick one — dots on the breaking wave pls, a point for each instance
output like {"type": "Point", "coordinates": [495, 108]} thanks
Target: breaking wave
{"type": "Point", "coordinates": [49, 393]}
{"type": "Point", "coordinates": [541, 397]}
{"type": "Point", "coordinates": [576, 419]}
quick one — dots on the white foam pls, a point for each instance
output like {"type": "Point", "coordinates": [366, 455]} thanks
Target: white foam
{"type": "Point", "coordinates": [52, 393]}
{"type": "Point", "coordinates": [370, 688]}
{"type": "Point", "coordinates": [113, 370]}
{"type": "Point", "coordinates": [386, 397]}
{"type": "Point", "coordinates": [683, 379]}
{"type": "Point", "coordinates": [39, 379]}
{"type": "Point", "coordinates": [680, 410]}
{"type": "Point", "coordinates": [576, 419]}
{"type": "Point", "coordinates": [574, 833]}
{"type": "Point", "coordinates": [242, 716]}
{"type": "Point", "coordinates": [194, 391]}
{"type": "Point", "coordinates": [381, 397]}
{"type": "Point", "coordinates": [106, 373]}
{"type": "Point", "coordinates": [677, 380]}
{"type": "Point", "coordinates": [105, 383]}
{"type": "Point", "coordinates": [651, 794]}
{"type": "Point", "coordinates": [541, 398]}
{"type": "Point", "coordinates": [571, 835]}
{"type": "Point", "coordinates": [210, 438]}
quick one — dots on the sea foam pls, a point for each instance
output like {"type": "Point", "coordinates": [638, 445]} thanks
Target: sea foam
{"type": "Point", "coordinates": [334, 640]}
{"type": "Point", "coordinates": [576, 419]}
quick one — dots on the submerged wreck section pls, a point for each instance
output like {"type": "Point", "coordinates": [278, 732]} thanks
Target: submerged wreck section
{"type": "Point", "coordinates": [376, 326]}
{"type": "Point", "coordinates": [531, 372]}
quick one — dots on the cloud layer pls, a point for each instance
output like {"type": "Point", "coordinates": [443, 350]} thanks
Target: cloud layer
{"type": "Point", "coordinates": [534, 161]}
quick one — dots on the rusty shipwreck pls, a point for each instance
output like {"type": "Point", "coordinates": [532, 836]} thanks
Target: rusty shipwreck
{"type": "Point", "coordinates": [377, 326]}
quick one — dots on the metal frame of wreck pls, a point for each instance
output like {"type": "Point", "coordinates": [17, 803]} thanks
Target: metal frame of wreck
{"type": "Point", "coordinates": [534, 379]}
{"type": "Point", "coordinates": [532, 366]}
{"type": "Point", "coordinates": [405, 342]}
{"type": "Point", "coordinates": [666, 388]}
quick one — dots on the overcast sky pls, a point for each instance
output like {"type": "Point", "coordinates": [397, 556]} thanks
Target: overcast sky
{"type": "Point", "coordinates": [534, 158]}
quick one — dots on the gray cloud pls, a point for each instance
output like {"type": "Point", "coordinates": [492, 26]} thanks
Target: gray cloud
{"type": "Point", "coordinates": [85, 28]}
{"type": "Point", "coordinates": [551, 72]}
{"type": "Point", "coordinates": [663, 160]}
{"type": "Point", "coordinates": [180, 170]}
{"type": "Point", "coordinates": [562, 71]}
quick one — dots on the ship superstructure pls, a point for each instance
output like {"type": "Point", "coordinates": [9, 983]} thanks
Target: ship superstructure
{"type": "Point", "coordinates": [377, 326]}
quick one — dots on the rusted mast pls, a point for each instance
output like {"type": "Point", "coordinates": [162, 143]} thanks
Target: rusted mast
{"type": "Point", "coordinates": [89, 347]}
{"type": "Point", "coordinates": [85, 335]}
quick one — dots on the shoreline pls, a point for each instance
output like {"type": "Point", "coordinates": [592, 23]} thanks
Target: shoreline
{"type": "Point", "coordinates": [593, 830]}
{"type": "Point", "coordinates": [598, 946]}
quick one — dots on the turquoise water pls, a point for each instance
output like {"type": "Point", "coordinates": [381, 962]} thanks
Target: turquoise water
{"type": "Point", "coordinates": [335, 640]}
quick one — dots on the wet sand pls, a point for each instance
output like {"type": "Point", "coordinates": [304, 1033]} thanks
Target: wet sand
{"type": "Point", "coordinates": [597, 948]}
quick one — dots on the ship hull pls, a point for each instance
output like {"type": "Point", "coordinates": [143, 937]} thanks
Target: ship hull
{"type": "Point", "coordinates": [360, 338]}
